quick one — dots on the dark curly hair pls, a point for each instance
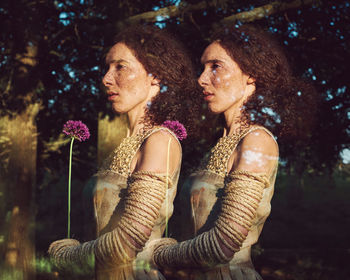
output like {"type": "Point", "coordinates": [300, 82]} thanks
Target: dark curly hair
{"type": "Point", "coordinates": [283, 103]}
{"type": "Point", "coordinates": [165, 58]}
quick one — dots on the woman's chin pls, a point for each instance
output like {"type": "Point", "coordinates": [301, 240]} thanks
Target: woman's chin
{"type": "Point", "coordinates": [119, 110]}
{"type": "Point", "coordinates": [214, 111]}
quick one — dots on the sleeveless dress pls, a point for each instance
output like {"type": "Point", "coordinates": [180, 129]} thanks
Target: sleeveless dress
{"type": "Point", "coordinates": [203, 192]}
{"type": "Point", "coordinates": [109, 188]}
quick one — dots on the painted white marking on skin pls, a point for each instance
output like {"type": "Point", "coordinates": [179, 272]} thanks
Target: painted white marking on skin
{"type": "Point", "coordinates": [261, 159]}
{"type": "Point", "coordinates": [131, 76]}
{"type": "Point", "coordinates": [256, 148]}
{"type": "Point", "coordinates": [232, 98]}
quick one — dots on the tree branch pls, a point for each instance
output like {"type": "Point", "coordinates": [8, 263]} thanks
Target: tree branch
{"type": "Point", "coordinates": [167, 12]}
{"type": "Point", "coordinates": [248, 16]}
{"type": "Point", "coordinates": [266, 10]}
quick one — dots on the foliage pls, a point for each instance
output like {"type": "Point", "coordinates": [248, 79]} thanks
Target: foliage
{"type": "Point", "coordinates": [67, 40]}
{"type": "Point", "coordinates": [52, 54]}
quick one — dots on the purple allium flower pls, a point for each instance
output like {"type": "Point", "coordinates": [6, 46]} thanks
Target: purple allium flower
{"type": "Point", "coordinates": [176, 127]}
{"type": "Point", "coordinates": [76, 129]}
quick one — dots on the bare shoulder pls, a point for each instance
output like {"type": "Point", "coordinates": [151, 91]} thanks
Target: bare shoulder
{"type": "Point", "coordinates": [261, 140]}
{"type": "Point", "coordinates": [159, 141]}
{"type": "Point", "coordinates": [158, 151]}
{"type": "Point", "coordinates": [257, 152]}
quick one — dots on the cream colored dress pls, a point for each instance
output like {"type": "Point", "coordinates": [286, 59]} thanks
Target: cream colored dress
{"type": "Point", "coordinates": [203, 192]}
{"type": "Point", "coordinates": [109, 191]}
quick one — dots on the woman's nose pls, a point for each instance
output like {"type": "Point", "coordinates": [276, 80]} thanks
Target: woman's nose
{"type": "Point", "coordinates": [203, 79]}
{"type": "Point", "coordinates": [107, 79]}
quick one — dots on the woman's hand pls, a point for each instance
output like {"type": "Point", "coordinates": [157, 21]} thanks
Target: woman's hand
{"type": "Point", "coordinates": [58, 247]}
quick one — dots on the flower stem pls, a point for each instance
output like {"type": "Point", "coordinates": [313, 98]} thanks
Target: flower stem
{"type": "Point", "coordinates": [69, 184]}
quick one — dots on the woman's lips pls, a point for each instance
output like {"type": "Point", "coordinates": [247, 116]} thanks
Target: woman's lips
{"type": "Point", "coordinates": [208, 96]}
{"type": "Point", "coordinates": [112, 95]}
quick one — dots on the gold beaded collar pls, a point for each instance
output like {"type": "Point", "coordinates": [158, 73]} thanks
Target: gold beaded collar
{"type": "Point", "coordinates": [220, 154]}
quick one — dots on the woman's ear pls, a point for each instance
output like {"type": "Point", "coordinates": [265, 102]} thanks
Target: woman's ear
{"type": "Point", "coordinates": [250, 88]}
{"type": "Point", "coordinates": [155, 81]}
{"type": "Point", "coordinates": [251, 80]}
{"type": "Point", "coordinates": [155, 86]}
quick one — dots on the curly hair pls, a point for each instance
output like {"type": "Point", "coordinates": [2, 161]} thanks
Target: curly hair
{"type": "Point", "coordinates": [166, 59]}
{"type": "Point", "coordinates": [281, 102]}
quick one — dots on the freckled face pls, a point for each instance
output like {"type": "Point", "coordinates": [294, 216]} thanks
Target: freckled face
{"type": "Point", "coordinates": [127, 83]}
{"type": "Point", "coordinates": [224, 84]}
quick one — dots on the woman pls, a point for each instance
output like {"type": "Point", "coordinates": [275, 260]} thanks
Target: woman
{"type": "Point", "coordinates": [148, 77]}
{"type": "Point", "coordinates": [247, 80]}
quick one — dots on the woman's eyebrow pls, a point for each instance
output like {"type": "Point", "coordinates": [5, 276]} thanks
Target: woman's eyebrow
{"type": "Point", "coordinates": [211, 61]}
{"type": "Point", "coordinates": [116, 61]}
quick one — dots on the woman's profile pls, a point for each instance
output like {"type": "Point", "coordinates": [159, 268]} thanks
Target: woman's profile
{"type": "Point", "coordinates": [148, 77]}
{"type": "Point", "coordinates": [247, 80]}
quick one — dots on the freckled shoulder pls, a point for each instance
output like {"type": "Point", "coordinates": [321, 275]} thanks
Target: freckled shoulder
{"type": "Point", "coordinates": [160, 149]}
{"type": "Point", "coordinates": [158, 142]}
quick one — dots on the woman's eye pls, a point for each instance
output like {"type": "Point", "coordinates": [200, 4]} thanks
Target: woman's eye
{"type": "Point", "coordinates": [215, 67]}
{"type": "Point", "coordinates": [120, 67]}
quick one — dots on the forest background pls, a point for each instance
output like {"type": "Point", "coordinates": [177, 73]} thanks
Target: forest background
{"type": "Point", "coordinates": [52, 56]}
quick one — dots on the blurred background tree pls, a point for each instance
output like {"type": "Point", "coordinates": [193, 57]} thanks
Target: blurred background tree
{"type": "Point", "coordinates": [52, 56]}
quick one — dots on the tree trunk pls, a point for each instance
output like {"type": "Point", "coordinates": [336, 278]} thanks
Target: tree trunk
{"type": "Point", "coordinates": [18, 178]}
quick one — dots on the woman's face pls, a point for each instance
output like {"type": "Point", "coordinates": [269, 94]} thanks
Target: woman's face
{"type": "Point", "coordinates": [127, 83]}
{"type": "Point", "coordinates": [225, 86]}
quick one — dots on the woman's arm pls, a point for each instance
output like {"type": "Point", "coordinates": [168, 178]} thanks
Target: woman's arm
{"type": "Point", "coordinates": [145, 194]}
{"type": "Point", "coordinates": [253, 162]}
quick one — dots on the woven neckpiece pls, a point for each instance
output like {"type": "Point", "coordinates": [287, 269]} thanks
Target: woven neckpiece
{"type": "Point", "coordinates": [221, 152]}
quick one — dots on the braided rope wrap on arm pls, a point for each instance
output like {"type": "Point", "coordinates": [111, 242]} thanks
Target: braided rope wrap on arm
{"type": "Point", "coordinates": [70, 255]}
{"type": "Point", "coordinates": [146, 193]}
{"type": "Point", "coordinates": [242, 195]}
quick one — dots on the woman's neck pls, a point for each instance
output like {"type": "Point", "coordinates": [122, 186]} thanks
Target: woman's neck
{"type": "Point", "coordinates": [135, 121]}
{"type": "Point", "coordinates": [232, 120]}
